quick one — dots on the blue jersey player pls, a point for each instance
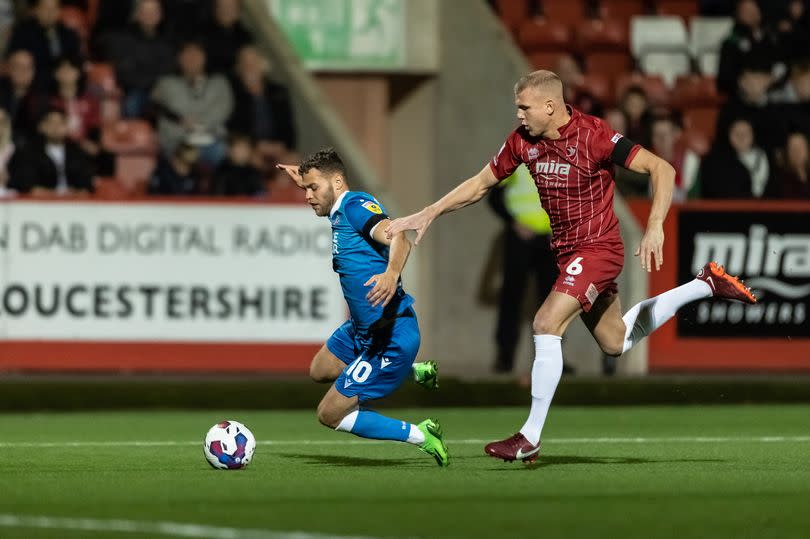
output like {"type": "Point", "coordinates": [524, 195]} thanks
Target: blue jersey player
{"type": "Point", "coordinates": [370, 355]}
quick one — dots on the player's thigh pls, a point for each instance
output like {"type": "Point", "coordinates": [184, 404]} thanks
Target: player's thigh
{"type": "Point", "coordinates": [325, 366]}
{"type": "Point", "coordinates": [334, 406]}
{"type": "Point", "coordinates": [555, 314]}
{"type": "Point", "coordinates": [605, 323]}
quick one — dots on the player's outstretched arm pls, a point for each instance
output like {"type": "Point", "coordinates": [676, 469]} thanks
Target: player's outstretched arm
{"type": "Point", "coordinates": [385, 284]}
{"type": "Point", "coordinates": [292, 172]}
{"type": "Point", "coordinates": [662, 176]}
{"type": "Point", "coordinates": [468, 192]}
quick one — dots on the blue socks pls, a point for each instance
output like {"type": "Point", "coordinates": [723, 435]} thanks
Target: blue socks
{"type": "Point", "coordinates": [368, 424]}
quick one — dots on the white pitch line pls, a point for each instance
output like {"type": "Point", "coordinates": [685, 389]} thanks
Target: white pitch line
{"type": "Point", "coordinates": [173, 529]}
{"type": "Point", "coordinates": [468, 441]}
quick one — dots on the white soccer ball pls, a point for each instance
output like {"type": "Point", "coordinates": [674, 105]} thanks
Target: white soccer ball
{"type": "Point", "coordinates": [229, 445]}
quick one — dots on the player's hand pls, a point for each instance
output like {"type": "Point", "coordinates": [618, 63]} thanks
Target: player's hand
{"type": "Point", "coordinates": [384, 288]}
{"type": "Point", "coordinates": [292, 172]}
{"type": "Point", "coordinates": [651, 247]}
{"type": "Point", "coordinates": [417, 221]}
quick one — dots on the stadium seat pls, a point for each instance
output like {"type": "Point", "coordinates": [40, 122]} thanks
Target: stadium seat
{"type": "Point", "coordinates": [512, 12]}
{"type": "Point", "coordinates": [608, 63]}
{"type": "Point", "coordinates": [571, 12]}
{"type": "Point", "coordinates": [129, 137]}
{"type": "Point", "coordinates": [101, 79]}
{"type": "Point", "coordinates": [695, 91]}
{"type": "Point", "coordinates": [541, 34]}
{"type": "Point", "coordinates": [544, 60]}
{"type": "Point", "coordinates": [600, 86]}
{"type": "Point", "coordinates": [621, 10]}
{"type": "Point", "coordinates": [681, 8]}
{"type": "Point", "coordinates": [708, 63]}
{"type": "Point", "coordinates": [701, 119]}
{"type": "Point", "coordinates": [601, 35]}
{"type": "Point", "coordinates": [668, 65]}
{"type": "Point", "coordinates": [75, 19]}
{"type": "Point", "coordinates": [706, 35]}
{"type": "Point", "coordinates": [110, 189]}
{"type": "Point", "coordinates": [654, 86]}
{"type": "Point", "coordinates": [657, 34]}
{"type": "Point", "coordinates": [133, 172]}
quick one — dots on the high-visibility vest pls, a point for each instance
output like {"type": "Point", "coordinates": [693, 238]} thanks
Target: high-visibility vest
{"type": "Point", "coordinates": [523, 202]}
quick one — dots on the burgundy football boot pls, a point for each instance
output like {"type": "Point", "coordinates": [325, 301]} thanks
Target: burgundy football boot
{"type": "Point", "coordinates": [724, 285]}
{"type": "Point", "coordinates": [515, 447]}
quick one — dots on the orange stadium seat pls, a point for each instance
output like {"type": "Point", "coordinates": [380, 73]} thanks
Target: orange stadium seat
{"type": "Point", "coordinates": [682, 8]}
{"type": "Point", "coordinates": [512, 12]}
{"type": "Point", "coordinates": [602, 35]}
{"type": "Point", "coordinates": [621, 10]}
{"type": "Point", "coordinates": [544, 60]}
{"type": "Point", "coordinates": [542, 34]}
{"type": "Point", "coordinates": [701, 119]}
{"type": "Point", "coordinates": [569, 12]}
{"type": "Point", "coordinates": [695, 90]}
{"type": "Point", "coordinates": [655, 87]}
{"type": "Point", "coordinates": [600, 86]}
{"type": "Point", "coordinates": [131, 137]}
{"type": "Point", "coordinates": [610, 64]}
{"type": "Point", "coordinates": [132, 172]}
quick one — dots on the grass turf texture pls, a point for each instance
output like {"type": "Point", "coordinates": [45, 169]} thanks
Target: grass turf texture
{"type": "Point", "coordinates": [738, 487]}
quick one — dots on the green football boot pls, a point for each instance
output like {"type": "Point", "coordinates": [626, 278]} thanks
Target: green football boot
{"type": "Point", "coordinates": [426, 374]}
{"type": "Point", "coordinates": [434, 445]}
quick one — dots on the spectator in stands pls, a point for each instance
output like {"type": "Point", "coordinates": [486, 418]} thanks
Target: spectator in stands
{"type": "Point", "coordinates": [667, 142]}
{"type": "Point", "coordinates": [179, 173]}
{"type": "Point", "coordinates": [6, 21]}
{"type": "Point", "coordinates": [7, 149]}
{"type": "Point", "coordinates": [141, 54]}
{"type": "Point", "coordinates": [751, 102]}
{"type": "Point", "coordinates": [636, 107]}
{"type": "Point", "coordinates": [225, 36]}
{"type": "Point", "coordinates": [793, 27]}
{"type": "Point", "coordinates": [46, 38]}
{"type": "Point", "coordinates": [735, 167]}
{"type": "Point", "coordinates": [576, 93]}
{"type": "Point", "coordinates": [83, 112]}
{"type": "Point", "coordinates": [16, 93]}
{"type": "Point", "coordinates": [797, 88]}
{"type": "Point", "coordinates": [630, 184]}
{"type": "Point", "coordinates": [750, 41]}
{"type": "Point", "coordinates": [193, 106]}
{"type": "Point", "coordinates": [52, 164]}
{"type": "Point", "coordinates": [616, 119]}
{"type": "Point", "coordinates": [236, 175]}
{"type": "Point", "coordinates": [793, 178]}
{"type": "Point", "coordinates": [262, 108]}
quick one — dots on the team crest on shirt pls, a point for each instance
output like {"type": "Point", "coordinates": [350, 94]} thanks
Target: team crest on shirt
{"type": "Point", "coordinates": [571, 151]}
{"type": "Point", "coordinates": [372, 207]}
{"type": "Point", "coordinates": [533, 153]}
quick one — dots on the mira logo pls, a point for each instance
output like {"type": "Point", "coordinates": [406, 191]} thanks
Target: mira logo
{"type": "Point", "coordinates": [553, 168]}
{"type": "Point", "coordinates": [762, 257]}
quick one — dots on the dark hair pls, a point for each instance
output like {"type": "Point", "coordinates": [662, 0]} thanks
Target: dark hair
{"type": "Point", "coordinates": [81, 83]}
{"type": "Point", "coordinates": [326, 160]}
{"type": "Point", "coordinates": [237, 137]}
{"type": "Point", "coordinates": [52, 109]}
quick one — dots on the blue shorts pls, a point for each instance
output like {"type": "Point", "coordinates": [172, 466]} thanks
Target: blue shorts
{"type": "Point", "coordinates": [376, 370]}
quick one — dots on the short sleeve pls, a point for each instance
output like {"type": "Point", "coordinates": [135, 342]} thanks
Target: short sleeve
{"type": "Point", "coordinates": [363, 214]}
{"type": "Point", "coordinates": [609, 145]}
{"type": "Point", "coordinates": [508, 159]}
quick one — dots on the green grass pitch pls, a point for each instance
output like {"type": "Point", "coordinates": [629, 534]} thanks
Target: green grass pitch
{"type": "Point", "coordinates": [646, 472]}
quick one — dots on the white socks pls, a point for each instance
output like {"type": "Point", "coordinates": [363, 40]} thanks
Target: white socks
{"type": "Point", "coordinates": [546, 372]}
{"type": "Point", "coordinates": [647, 316]}
{"type": "Point", "coordinates": [416, 436]}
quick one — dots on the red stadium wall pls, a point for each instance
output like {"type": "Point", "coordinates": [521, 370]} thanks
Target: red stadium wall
{"type": "Point", "coordinates": [780, 346]}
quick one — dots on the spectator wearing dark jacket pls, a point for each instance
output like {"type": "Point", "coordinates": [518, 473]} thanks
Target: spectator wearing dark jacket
{"type": "Point", "coordinates": [52, 163]}
{"type": "Point", "coordinates": [177, 174]}
{"type": "Point", "coordinates": [16, 93]}
{"type": "Point", "coordinates": [141, 54]}
{"type": "Point", "coordinates": [225, 36]}
{"type": "Point", "coordinates": [45, 38]}
{"type": "Point", "coordinates": [235, 175]}
{"type": "Point", "coordinates": [793, 177]}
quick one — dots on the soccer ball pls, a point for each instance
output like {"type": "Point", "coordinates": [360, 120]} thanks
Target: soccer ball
{"type": "Point", "coordinates": [229, 445]}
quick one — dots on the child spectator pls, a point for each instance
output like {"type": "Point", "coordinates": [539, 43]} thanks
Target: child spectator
{"type": "Point", "coordinates": [236, 176]}
{"type": "Point", "coordinates": [177, 174]}
{"type": "Point", "coordinates": [793, 179]}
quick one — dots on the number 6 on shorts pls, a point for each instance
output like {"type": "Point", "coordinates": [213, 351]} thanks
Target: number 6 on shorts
{"type": "Point", "coordinates": [574, 268]}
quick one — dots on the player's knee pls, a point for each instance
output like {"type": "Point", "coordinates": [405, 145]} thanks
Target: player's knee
{"type": "Point", "coordinates": [328, 417]}
{"type": "Point", "coordinates": [542, 325]}
{"type": "Point", "coordinates": [318, 373]}
{"type": "Point", "coordinates": [612, 347]}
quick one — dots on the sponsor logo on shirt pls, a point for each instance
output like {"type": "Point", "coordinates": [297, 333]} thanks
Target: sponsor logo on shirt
{"type": "Point", "coordinates": [372, 207]}
{"type": "Point", "coordinates": [553, 168]}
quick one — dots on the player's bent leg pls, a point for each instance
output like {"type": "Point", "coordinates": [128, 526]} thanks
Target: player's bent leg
{"type": "Point", "coordinates": [550, 323]}
{"type": "Point", "coordinates": [605, 323]}
{"type": "Point", "coordinates": [325, 366]}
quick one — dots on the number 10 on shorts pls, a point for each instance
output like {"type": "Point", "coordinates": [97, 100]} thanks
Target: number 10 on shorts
{"type": "Point", "coordinates": [359, 370]}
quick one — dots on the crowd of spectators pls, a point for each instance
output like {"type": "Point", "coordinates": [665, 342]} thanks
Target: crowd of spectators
{"type": "Point", "coordinates": [188, 68]}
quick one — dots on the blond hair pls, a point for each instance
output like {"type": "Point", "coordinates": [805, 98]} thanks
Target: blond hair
{"type": "Point", "coordinates": [543, 80]}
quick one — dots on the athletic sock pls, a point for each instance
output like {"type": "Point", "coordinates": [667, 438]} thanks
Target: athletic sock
{"type": "Point", "coordinates": [647, 316]}
{"type": "Point", "coordinates": [368, 424]}
{"type": "Point", "coordinates": [546, 372]}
